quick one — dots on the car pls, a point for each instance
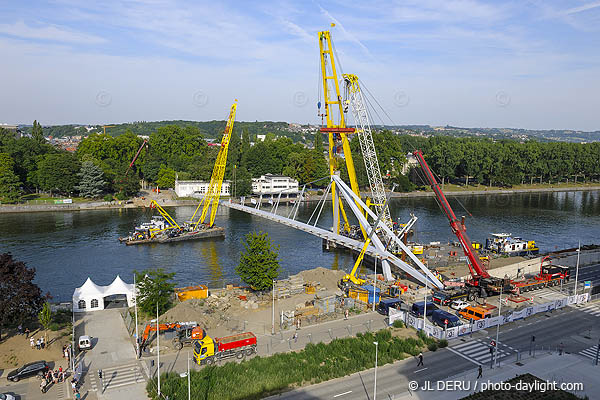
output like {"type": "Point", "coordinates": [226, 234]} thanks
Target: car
{"type": "Point", "coordinates": [459, 305]}
{"type": "Point", "coordinates": [85, 342]}
{"type": "Point", "coordinates": [27, 370]}
{"type": "Point", "coordinates": [7, 396]}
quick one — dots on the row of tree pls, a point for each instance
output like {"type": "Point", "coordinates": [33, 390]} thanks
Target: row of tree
{"type": "Point", "coordinates": [29, 164]}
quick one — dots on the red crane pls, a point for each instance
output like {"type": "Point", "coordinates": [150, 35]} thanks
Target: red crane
{"type": "Point", "coordinates": [482, 281]}
{"type": "Point", "coordinates": [144, 143]}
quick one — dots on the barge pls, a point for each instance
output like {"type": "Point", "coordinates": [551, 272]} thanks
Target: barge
{"type": "Point", "coordinates": [215, 231]}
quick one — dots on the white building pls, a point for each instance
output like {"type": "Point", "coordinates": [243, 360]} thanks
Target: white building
{"type": "Point", "coordinates": [411, 162]}
{"type": "Point", "coordinates": [271, 185]}
{"type": "Point", "coordinates": [198, 188]}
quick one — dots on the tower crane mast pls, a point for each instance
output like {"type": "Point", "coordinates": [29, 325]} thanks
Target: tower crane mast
{"type": "Point", "coordinates": [356, 99]}
{"type": "Point", "coordinates": [336, 131]}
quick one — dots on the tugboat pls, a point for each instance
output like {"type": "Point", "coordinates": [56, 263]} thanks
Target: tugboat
{"type": "Point", "coordinates": [506, 244]}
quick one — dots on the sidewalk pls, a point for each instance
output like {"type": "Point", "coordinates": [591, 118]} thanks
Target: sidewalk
{"type": "Point", "coordinates": [565, 369]}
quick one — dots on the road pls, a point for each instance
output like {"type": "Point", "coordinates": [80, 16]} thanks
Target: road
{"type": "Point", "coordinates": [569, 326]}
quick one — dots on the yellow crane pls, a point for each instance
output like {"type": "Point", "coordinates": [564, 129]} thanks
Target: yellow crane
{"type": "Point", "coordinates": [211, 198]}
{"type": "Point", "coordinates": [107, 126]}
{"type": "Point", "coordinates": [336, 130]}
{"type": "Point", "coordinates": [352, 275]}
{"type": "Point", "coordinates": [165, 215]}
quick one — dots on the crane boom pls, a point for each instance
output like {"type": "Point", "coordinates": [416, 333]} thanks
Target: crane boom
{"type": "Point", "coordinates": [144, 143]}
{"type": "Point", "coordinates": [164, 214]}
{"type": "Point", "coordinates": [211, 199]}
{"type": "Point", "coordinates": [458, 227]}
{"type": "Point", "coordinates": [354, 96]}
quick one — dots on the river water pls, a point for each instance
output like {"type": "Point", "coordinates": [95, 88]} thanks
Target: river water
{"type": "Point", "coordinates": [67, 247]}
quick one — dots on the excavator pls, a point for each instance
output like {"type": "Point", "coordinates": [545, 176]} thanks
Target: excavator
{"type": "Point", "coordinates": [187, 332]}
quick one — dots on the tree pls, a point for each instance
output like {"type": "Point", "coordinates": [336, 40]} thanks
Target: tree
{"type": "Point", "coordinates": [243, 182]}
{"type": "Point", "coordinates": [45, 318]}
{"type": "Point", "coordinates": [154, 287]}
{"type": "Point", "coordinates": [166, 177]}
{"type": "Point", "coordinates": [37, 133]}
{"type": "Point", "coordinates": [127, 185]}
{"type": "Point", "coordinates": [21, 298]}
{"type": "Point", "coordinates": [258, 262]}
{"type": "Point", "coordinates": [9, 181]}
{"type": "Point", "coordinates": [91, 184]}
{"type": "Point", "coordinates": [58, 172]}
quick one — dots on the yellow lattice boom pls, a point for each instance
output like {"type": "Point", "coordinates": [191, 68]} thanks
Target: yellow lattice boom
{"type": "Point", "coordinates": [211, 199]}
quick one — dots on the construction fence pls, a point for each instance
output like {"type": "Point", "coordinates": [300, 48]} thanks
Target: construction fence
{"type": "Point", "coordinates": [465, 329]}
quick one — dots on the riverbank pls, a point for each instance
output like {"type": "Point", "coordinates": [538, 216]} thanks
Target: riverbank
{"type": "Point", "coordinates": [449, 190]}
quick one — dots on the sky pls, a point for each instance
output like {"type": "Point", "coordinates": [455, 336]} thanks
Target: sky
{"type": "Point", "coordinates": [531, 64]}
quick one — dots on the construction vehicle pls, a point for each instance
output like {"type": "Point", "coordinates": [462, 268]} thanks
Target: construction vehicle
{"type": "Point", "coordinates": [208, 350]}
{"type": "Point", "coordinates": [447, 296]}
{"type": "Point", "coordinates": [482, 284]}
{"type": "Point", "coordinates": [549, 275]}
{"type": "Point", "coordinates": [187, 332]}
{"type": "Point", "coordinates": [211, 198]}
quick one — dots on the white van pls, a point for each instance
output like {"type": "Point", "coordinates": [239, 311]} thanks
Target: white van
{"type": "Point", "coordinates": [85, 343]}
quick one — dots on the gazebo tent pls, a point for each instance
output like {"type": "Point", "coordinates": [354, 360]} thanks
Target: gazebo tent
{"type": "Point", "coordinates": [119, 287]}
{"type": "Point", "coordinates": [90, 297]}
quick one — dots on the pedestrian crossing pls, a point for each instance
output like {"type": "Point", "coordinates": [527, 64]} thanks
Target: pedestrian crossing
{"type": "Point", "coordinates": [592, 309]}
{"type": "Point", "coordinates": [114, 377]}
{"type": "Point", "coordinates": [590, 352]}
{"type": "Point", "coordinates": [478, 351]}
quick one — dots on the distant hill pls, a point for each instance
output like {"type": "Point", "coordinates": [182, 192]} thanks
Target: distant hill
{"type": "Point", "coordinates": [304, 133]}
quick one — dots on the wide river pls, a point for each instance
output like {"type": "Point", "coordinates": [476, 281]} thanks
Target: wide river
{"type": "Point", "coordinates": [67, 247]}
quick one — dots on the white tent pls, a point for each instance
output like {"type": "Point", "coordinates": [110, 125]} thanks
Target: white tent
{"type": "Point", "coordinates": [90, 297]}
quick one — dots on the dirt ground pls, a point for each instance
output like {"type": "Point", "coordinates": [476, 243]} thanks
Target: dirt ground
{"type": "Point", "coordinates": [226, 312]}
{"type": "Point", "coordinates": [16, 351]}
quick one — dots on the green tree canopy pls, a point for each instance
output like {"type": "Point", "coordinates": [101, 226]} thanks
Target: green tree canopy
{"type": "Point", "coordinates": [10, 187]}
{"type": "Point", "coordinates": [259, 263]}
{"type": "Point", "coordinates": [155, 286]}
{"type": "Point", "coordinates": [166, 177]}
{"type": "Point", "coordinates": [58, 172]}
{"type": "Point", "coordinates": [37, 133]}
{"type": "Point", "coordinates": [21, 298]}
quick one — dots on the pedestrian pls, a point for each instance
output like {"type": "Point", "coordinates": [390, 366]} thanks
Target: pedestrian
{"type": "Point", "coordinates": [77, 395]}
{"type": "Point", "coordinates": [56, 377]}
{"type": "Point", "coordinates": [20, 328]}
{"type": "Point", "coordinates": [63, 350]}
{"type": "Point", "coordinates": [295, 337]}
{"type": "Point", "coordinates": [74, 385]}
{"type": "Point", "coordinates": [42, 342]}
{"type": "Point", "coordinates": [49, 375]}
{"type": "Point", "coordinates": [32, 342]}
{"type": "Point", "coordinates": [561, 348]}
{"type": "Point", "coordinates": [27, 333]}
{"type": "Point", "coordinates": [66, 353]}
{"type": "Point", "coordinates": [346, 314]}
{"type": "Point", "coordinates": [480, 373]}
{"type": "Point", "coordinates": [420, 360]}
{"type": "Point", "coordinates": [60, 374]}
{"type": "Point", "coordinates": [38, 344]}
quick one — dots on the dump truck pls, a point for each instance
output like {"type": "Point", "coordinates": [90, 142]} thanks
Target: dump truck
{"type": "Point", "coordinates": [208, 350]}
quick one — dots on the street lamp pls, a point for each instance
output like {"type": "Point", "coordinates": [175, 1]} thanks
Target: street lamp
{"type": "Point", "coordinates": [158, 350]}
{"type": "Point", "coordinates": [375, 385]}
{"type": "Point", "coordinates": [577, 269]}
{"type": "Point", "coordinates": [137, 337]}
{"type": "Point", "coordinates": [498, 327]}
{"type": "Point", "coordinates": [273, 320]}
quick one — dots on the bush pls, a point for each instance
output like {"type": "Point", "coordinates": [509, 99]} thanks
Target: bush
{"type": "Point", "coordinates": [54, 326]}
{"type": "Point", "coordinates": [108, 197]}
{"type": "Point", "coordinates": [320, 192]}
{"type": "Point", "coordinates": [398, 324]}
{"type": "Point", "coordinates": [120, 196]}
{"type": "Point", "coordinates": [432, 346]}
{"type": "Point", "coordinates": [443, 343]}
